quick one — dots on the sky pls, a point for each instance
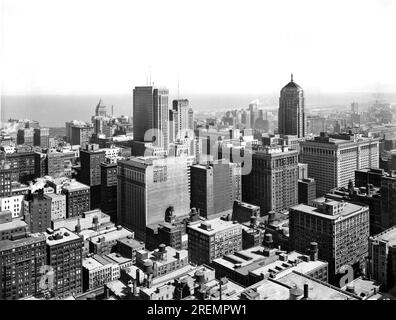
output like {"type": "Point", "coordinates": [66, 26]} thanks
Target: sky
{"type": "Point", "coordinates": [205, 46]}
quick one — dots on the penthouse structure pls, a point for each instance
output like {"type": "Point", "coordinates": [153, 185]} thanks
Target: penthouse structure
{"type": "Point", "coordinates": [211, 239]}
{"type": "Point", "coordinates": [333, 159]}
{"type": "Point", "coordinates": [341, 230]}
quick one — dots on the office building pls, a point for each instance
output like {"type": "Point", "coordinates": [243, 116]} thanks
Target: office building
{"type": "Point", "coordinates": [5, 179]}
{"type": "Point", "coordinates": [37, 212]}
{"type": "Point", "coordinates": [25, 136]}
{"type": "Point", "coordinates": [213, 187]}
{"type": "Point", "coordinates": [22, 165]}
{"type": "Point", "coordinates": [58, 205]}
{"type": "Point", "coordinates": [108, 188]}
{"type": "Point", "coordinates": [128, 247]}
{"type": "Point", "coordinates": [106, 243]}
{"type": "Point", "coordinates": [21, 262]}
{"type": "Point", "coordinates": [388, 200]}
{"type": "Point", "coordinates": [41, 137]}
{"type": "Point", "coordinates": [64, 255]}
{"type": "Point", "coordinates": [250, 266]}
{"type": "Point", "coordinates": [333, 159]}
{"type": "Point", "coordinates": [272, 183]}
{"type": "Point", "coordinates": [97, 271]}
{"type": "Point", "coordinates": [151, 112]}
{"type": "Point", "coordinates": [306, 190]}
{"type": "Point", "coordinates": [382, 259]}
{"type": "Point", "coordinates": [291, 114]}
{"type": "Point", "coordinates": [243, 212]}
{"type": "Point", "coordinates": [78, 198]}
{"type": "Point", "coordinates": [341, 230]}
{"type": "Point", "coordinates": [211, 239]}
{"type": "Point", "coordinates": [147, 187]}
{"type": "Point", "coordinates": [90, 174]}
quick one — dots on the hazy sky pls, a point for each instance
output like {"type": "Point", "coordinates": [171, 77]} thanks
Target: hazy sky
{"type": "Point", "coordinates": [212, 46]}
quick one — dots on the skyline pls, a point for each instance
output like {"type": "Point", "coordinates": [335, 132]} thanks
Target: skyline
{"type": "Point", "coordinates": [105, 50]}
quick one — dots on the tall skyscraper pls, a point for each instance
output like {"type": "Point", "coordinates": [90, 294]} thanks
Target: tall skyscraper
{"type": "Point", "coordinates": [181, 108]}
{"type": "Point", "coordinates": [151, 112]}
{"type": "Point", "coordinates": [291, 114]}
{"type": "Point", "coordinates": [272, 183]}
{"type": "Point", "coordinates": [41, 137]}
{"type": "Point", "coordinates": [333, 159]}
{"type": "Point", "coordinates": [147, 187]}
{"type": "Point", "coordinates": [214, 187]}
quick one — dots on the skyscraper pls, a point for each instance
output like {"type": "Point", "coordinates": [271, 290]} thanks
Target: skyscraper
{"type": "Point", "coordinates": [150, 111]}
{"type": "Point", "coordinates": [333, 159]}
{"type": "Point", "coordinates": [272, 183]}
{"type": "Point", "coordinates": [181, 117]}
{"type": "Point", "coordinates": [214, 187]}
{"type": "Point", "coordinates": [147, 187]}
{"type": "Point", "coordinates": [291, 114]}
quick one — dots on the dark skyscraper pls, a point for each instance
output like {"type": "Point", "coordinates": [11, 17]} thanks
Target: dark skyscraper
{"type": "Point", "coordinates": [150, 111]}
{"type": "Point", "coordinates": [272, 183]}
{"type": "Point", "coordinates": [291, 114]}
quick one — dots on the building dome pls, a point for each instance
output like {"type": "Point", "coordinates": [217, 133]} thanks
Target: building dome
{"type": "Point", "coordinates": [291, 85]}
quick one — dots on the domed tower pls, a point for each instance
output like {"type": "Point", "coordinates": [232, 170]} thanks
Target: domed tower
{"type": "Point", "coordinates": [291, 114]}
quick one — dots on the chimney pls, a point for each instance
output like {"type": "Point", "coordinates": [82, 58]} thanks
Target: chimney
{"type": "Point", "coordinates": [306, 291]}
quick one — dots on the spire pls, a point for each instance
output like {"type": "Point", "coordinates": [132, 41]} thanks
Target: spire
{"type": "Point", "coordinates": [291, 78]}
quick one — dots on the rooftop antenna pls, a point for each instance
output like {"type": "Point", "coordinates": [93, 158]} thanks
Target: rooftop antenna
{"type": "Point", "coordinates": [178, 89]}
{"type": "Point", "coordinates": [150, 76]}
{"type": "Point", "coordinates": [291, 77]}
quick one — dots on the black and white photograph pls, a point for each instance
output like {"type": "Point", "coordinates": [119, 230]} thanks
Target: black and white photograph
{"type": "Point", "coordinates": [191, 156]}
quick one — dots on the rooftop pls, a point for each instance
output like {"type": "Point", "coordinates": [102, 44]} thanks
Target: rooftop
{"type": "Point", "coordinates": [211, 227]}
{"type": "Point", "coordinates": [317, 290]}
{"type": "Point", "coordinates": [15, 223]}
{"type": "Point", "coordinates": [74, 186]}
{"type": "Point", "coordinates": [388, 236]}
{"type": "Point", "coordinates": [29, 239]}
{"type": "Point", "coordinates": [112, 235]}
{"type": "Point", "coordinates": [330, 209]}
{"type": "Point", "coordinates": [61, 235]}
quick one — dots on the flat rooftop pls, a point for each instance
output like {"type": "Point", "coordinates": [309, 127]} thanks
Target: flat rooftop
{"type": "Point", "coordinates": [349, 209]}
{"type": "Point", "coordinates": [91, 264]}
{"type": "Point", "coordinates": [112, 235]}
{"type": "Point", "coordinates": [65, 235]}
{"type": "Point", "coordinates": [131, 242]}
{"type": "Point", "coordinates": [388, 235]}
{"type": "Point", "coordinates": [284, 267]}
{"type": "Point", "coordinates": [216, 225]}
{"type": "Point", "coordinates": [75, 186]}
{"type": "Point", "coordinates": [30, 239]}
{"type": "Point", "coordinates": [268, 290]}
{"type": "Point", "coordinates": [317, 290]}
{"type": "Point", "coordinates": [16, 223]}
{"type": "Point", "coordinates": [116, 258]}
